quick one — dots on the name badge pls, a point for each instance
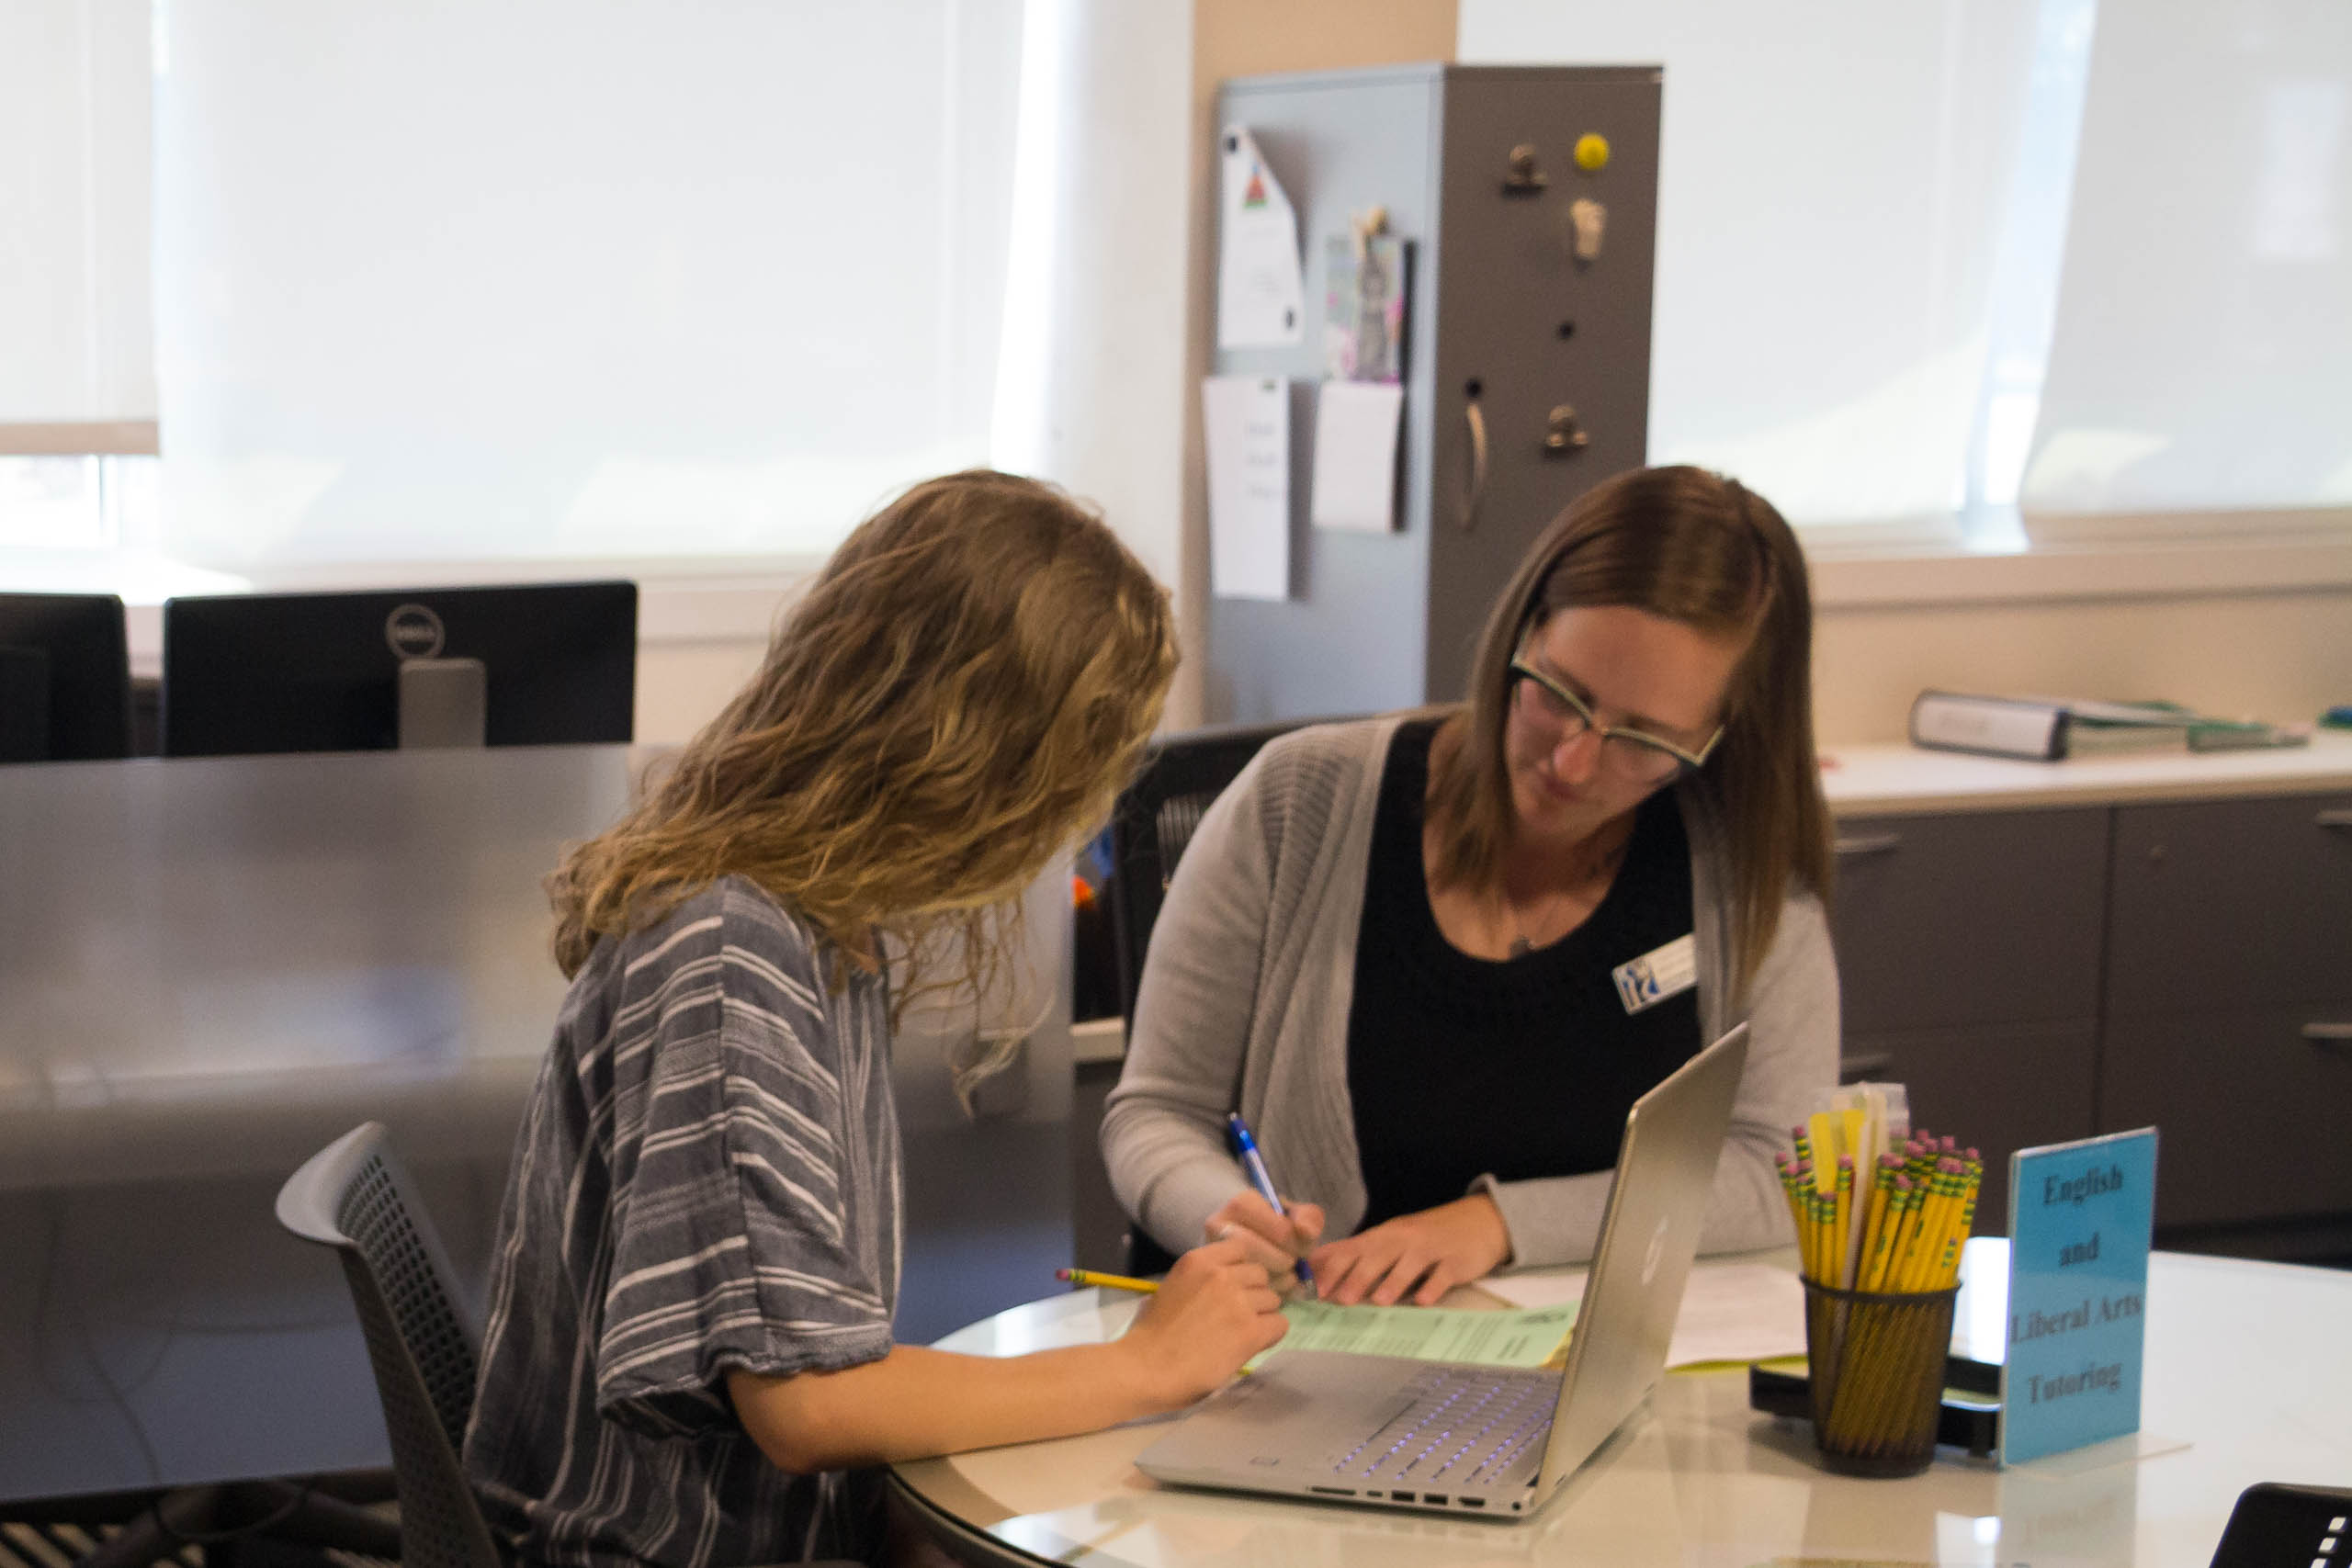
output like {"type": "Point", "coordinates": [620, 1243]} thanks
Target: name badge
{"type": "Point", "coordinates": [1658, 974]}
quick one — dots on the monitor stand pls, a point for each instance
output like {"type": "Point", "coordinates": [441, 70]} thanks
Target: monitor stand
{"type": "Point", "coordinates": [443, 703]}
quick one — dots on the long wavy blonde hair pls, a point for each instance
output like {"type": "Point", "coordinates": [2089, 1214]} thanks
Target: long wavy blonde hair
{"type": "Point", "coordinates": [962, 690]}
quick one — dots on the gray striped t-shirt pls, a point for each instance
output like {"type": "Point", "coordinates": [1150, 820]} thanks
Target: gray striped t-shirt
{"type": "Point", "coordinates": [706, 1177]}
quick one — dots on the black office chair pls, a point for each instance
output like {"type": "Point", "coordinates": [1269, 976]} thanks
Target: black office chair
{"type": "Point", "coordinates": [1156, 817]}
{"type": "Point", "coordinates": [353, 1196]}
{"type": "Point", "coordinates": [1154, 820]}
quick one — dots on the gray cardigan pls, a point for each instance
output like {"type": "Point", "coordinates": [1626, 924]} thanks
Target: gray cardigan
{"type": "Point", "coordinates": [1245, 1001]}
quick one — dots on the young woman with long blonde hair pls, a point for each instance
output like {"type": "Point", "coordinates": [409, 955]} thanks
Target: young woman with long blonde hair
{"type": "Point", "coordinates": [689, 1343]}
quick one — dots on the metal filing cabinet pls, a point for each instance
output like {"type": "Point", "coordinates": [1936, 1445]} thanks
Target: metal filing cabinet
{"type": "Point", "coordinates": [1510, 339]}
{"type": "Point", "coordinates": [2229, 1009]}
{"type": "Point", "coordinates": [1968, 960]}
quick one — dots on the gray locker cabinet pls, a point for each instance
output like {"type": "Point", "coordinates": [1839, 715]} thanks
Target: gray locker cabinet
{"type": "Point", "coordinates": [2229, 1005]}
{"type": "Point", "coordinates": [2236, 903]}
{"type": "Point", "coordinates": [1974, 917]}
{"type": "Point", "coordinates": [2250, 1112]}
{"type": "Point", "coordinates": [1495, 300]}
{"type": "Point", "coordinates": [1968, 963]}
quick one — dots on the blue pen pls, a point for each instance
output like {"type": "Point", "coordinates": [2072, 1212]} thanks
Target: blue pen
{"type": "Point", "coordinates": [1255, 1164]}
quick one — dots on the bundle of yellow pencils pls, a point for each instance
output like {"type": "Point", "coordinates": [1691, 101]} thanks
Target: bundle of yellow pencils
{"type": "Point", "coordinates": [1900, 1231]}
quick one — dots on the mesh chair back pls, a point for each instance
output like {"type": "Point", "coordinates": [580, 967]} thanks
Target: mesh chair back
{"type": "Point", "coordinates": [1156, 816]}
{"type": "Point", "coordinates": [1155, 819]}
{"type": "Point", "coordinates": [353, 1196]}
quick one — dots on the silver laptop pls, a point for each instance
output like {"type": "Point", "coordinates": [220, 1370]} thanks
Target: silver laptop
{"type": "Point", "coordinates": [1386, 1432]}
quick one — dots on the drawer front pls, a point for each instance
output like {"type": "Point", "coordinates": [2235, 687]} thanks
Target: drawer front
{"type": "Point", "coordinates": [2242, 902]}
{"type": "Point", "coordinates": [2000, 1088]}
{"type": "Point", "coordinates": [1989, 917]}
{"type": "Point", "coordinates": [2251, 1109]}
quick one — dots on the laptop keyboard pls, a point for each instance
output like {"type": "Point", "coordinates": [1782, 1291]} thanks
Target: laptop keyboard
{"type": "Point", "coordinates": [1460, 1427]}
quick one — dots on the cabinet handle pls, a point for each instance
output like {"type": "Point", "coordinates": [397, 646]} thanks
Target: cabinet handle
{"type": "Point", "coordinates": [1476, 419]}
{"type": "Point", "coordinates": [1867, 843]}
{"type": "Point", "coordinates": [2329, 1036]}
{"type": "Point", "coordinates": [2335, 817]}
{"type": "Point", "coordinates": [1854, 1070]}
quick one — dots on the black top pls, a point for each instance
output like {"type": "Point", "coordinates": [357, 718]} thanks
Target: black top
{"type": "Point", "coordinates": [1522, 1067]}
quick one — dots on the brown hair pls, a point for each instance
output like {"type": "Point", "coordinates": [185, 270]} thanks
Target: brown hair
{"type": "Point", "coordinates": [1701, 549]}
{"type": "Point", "coordinates": [963, 690]}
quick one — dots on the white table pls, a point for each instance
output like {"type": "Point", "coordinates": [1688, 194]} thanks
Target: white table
{"type": "Point", "coordinates": [2250, 1363]}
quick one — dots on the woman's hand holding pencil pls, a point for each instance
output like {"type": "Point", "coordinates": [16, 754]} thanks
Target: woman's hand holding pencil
{"type": "Point", "coordinates": [1215, 1310]}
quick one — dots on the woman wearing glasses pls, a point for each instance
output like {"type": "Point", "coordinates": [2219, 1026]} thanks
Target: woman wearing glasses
{"type": "Point", "coordinates": [1433, 958]}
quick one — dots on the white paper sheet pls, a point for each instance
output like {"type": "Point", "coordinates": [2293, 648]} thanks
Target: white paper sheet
{"type": "Point", "coordinates": [1261, 297]}
{"type": "Point", "coordinates": [1245, 423]}
{"type": "Point", "coordinates": [1731, 1312]}
{"type": "Point", "coordinates": [1355, 454]}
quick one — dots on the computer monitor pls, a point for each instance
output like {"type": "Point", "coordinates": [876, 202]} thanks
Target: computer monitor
{"type": "Point", "coordinates": [264, 672]}
{"type": "Point", "coordinates": [64, 678]}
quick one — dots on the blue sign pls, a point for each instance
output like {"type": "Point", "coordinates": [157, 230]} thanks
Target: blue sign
{"type": "Point", "coordinates": [2080, 1215]}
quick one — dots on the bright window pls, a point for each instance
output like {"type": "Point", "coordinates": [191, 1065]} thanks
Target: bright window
{"type": "Point", "coordinates": [451, 282]}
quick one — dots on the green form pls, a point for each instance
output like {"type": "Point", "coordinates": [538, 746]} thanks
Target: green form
{"type": "Point", "coordinates": [1524, 1337]}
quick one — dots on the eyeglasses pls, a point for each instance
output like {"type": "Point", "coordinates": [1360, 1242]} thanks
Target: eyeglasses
{"type": "Point", "coordinates": [1629, 754]}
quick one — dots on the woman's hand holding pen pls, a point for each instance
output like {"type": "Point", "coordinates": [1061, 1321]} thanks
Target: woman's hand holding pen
{"type": "Point", "coordinates": [1215, 1310]}
{"type": "Point", "coordinates": [1277, 1241]}
{"type": "Point", "coordinates": [1434, 1250]}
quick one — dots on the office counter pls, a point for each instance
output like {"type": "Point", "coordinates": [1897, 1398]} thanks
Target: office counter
{"type": "Point", "coordinates": [209, 968]}
{"type": "Point", "coordinates": [2246, 1361]}
{"type": "Point", "coordinates": [1875, 777]}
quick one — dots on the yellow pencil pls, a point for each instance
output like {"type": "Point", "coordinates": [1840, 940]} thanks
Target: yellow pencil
{"type": "Point", "coordinates": [1898, 1209]}
{"type": "Point", "coordinates": [1796, 1204]}
{"type": "Point", "coordinates": [1931, 1213]}
{"type": "Point", "coordinates": [1882, 1190]}
{"type": "Point", "coordinates": [1844, 1226]}
{"type": "Point", "coordinates": [1948, 1273]}
{"type": "Point", "coordinates": [1943, 1208]}
{"type": "Point", "coordinates": [1108, 1282]}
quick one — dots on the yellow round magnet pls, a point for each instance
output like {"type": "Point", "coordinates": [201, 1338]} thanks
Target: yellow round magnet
{"type": "Point", "coordinates": [1592, 152]}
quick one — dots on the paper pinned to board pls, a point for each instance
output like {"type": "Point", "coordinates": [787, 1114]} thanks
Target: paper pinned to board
{"type": "Point", "coordinates": [1355, 454]}
{"type": "Point", "coordinates": [1245, 424]}
{"type": "Point", "coordinates": [1260, 297]}
{"type": "Point", "coordinates": [1731, 1312]}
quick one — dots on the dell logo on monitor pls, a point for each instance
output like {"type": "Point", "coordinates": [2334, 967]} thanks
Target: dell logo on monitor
{"type": "Point", "coordinates": [415, 632]}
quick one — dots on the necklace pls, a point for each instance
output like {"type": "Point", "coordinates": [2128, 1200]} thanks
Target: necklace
{"type": "Point", "coordinates": [1603, 865]}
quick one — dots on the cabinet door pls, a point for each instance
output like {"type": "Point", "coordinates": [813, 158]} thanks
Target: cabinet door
{"type": "Point", "coordinates": [2232, 903]}
{"type": "Point", "coordinates": [2250, 1106]}
{"type": "Point", "coordinates": [1998, 1087]}
{"type": "Point", "coordinates": [1980, 919]}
